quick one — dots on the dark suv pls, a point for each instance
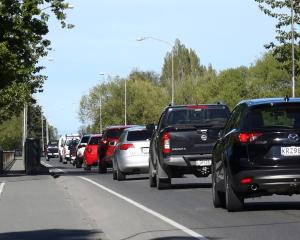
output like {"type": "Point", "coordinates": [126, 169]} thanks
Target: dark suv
{"type": "Point", "coordinates": [258, 152]}
{"type": "Point", "coordinates": [110, 138]}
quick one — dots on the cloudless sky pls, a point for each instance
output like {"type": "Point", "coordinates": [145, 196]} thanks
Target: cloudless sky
{"type": "Point", "coordinates": [226, 34]}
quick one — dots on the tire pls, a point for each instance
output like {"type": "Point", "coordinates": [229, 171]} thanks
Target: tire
{"type": "Point", "coordinates": [114, 174]}
{"type": "Point", "coordinates": [217, 196]}
{"type": "Point", "coordinates": [102, 168]}
{"type": "Point", "coordinates": [60, 159]}
{"type": "Point", "coordinates": [162, 183]}
{"type": "Point", "coordinates": [120, 175]}
{"type": "Point", "coordinates": [152, 179]}
{"type": "Point", "coordinates": [234, 201]}
{"type": "Point", "coordinates": [87, 167]}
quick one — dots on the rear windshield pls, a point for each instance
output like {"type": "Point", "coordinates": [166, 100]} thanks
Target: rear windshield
{"type": "Point", "coordinates": [139, 135]}
{"type": "Point", "coordinates": [94, 140]}
{"type": "Point", "coordinates": [114, 133]}
{"type": "Point", "coordinates": [273, 117]}
{"type": "Point", "coordinates": [85, 139]}
{"type": "Point", "coordinates": [198, 116]}
{"type": "Point", "coordinates": [72, 143]}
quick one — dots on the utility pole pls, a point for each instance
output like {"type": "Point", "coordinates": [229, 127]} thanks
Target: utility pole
{"type": "Point", "coordinates": [125, 103]}
{"type": "Point", "coordinates": [42, 142]}
{"type": "Point", "coordinates": [47, 132]}
{"type": "Point", "coordinates": [25, 110]}
{"type": "Point", "coordinates": [293, 48]}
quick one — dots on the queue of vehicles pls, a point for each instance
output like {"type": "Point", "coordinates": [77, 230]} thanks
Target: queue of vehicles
{"type": "Point", "coordinates": [252, 151]}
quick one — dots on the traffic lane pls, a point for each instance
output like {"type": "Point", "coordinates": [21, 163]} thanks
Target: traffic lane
{"type": "Point", "coordinates": [117, 218]}
{"type": "Point", "coordinates": [189, 202]}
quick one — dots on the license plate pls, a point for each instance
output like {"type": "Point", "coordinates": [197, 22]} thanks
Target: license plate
{"type": "Point", "coordinates": [202, 163]}
{"type": "Point", "coordinates": [145, 150]}
{"type": "Point", "coordinates": [290, 151]}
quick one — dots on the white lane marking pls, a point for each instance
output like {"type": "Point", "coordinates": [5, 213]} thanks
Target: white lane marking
{"type": "Point", "coordinates": [50, 166]}
{"type": "Point", "coordinates": [148, 210]}
{"type": "Point", "coordinates": [1, 187]}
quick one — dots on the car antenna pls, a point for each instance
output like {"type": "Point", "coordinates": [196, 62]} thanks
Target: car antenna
{"type": "Point", "coordinates": [286, 98]}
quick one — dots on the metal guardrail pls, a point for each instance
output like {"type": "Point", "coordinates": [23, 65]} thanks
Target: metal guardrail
{"type": "Point", "coordinates": [6, 159]}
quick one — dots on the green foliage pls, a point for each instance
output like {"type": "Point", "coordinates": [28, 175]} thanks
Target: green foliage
{"type": "Point", "coordinates": [11, 134]}
{"type": "Point", "coordinates": [23, 25]}
{"type": "Point", "coordinates": [281, 10]}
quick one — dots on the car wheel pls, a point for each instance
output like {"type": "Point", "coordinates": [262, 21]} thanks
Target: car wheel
{"type": "Point", "coordinates": [234, 201]}
{"type": "Point", "coordinates": [162, 183]}
{"type": "Point", "coordinates": [218, 197]}
{"type": "Point", "coordinates": [60, 159]}
{"type": "Point", "coordinates": [152, 179]}
{"type": "Point", "coordinates": [120, 175]}
{"type": "Point", "coordinates": [102, 168]}
{"type": "Point", "coordinates": [87, 167]}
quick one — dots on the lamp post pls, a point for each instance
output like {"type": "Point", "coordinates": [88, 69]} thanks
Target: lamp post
{"type": "Point", "coordinates": [125, 102]}
{"type": "Point", "coordinates": [293, 48]}
{"type": "Point", "coordinates": [100, 107]}
{"type": "Point", "coordinates": [42, 142]}
{"type": "Point", "coordinates": [24, 128]}
{"type": "Point", "coordinates": [172, 56]}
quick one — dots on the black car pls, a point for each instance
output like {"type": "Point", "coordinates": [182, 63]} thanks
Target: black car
{"type": "Point", "coordinates": [183, 141]}
{"type": "Point", "coordinates": [258, 153]}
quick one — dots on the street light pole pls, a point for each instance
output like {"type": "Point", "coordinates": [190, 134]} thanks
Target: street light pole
{"type": "Point", "coordinates": [125, 103]}
{"type": "Point", "coordinates": [25, 110]}
{"type": "Point", "coordinates": [42, 142]}
{"type": "Point", "coordinates": [47, 132]}
{"type": "Point", "coordinates": [100, 107]}
{"type": "Point", "coordinates": [172, 59]}
{"type": "Point", "coordinates": [293, 48]}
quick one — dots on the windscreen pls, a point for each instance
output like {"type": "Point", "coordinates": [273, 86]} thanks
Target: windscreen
{"type": "Point", "coordinates": [139, 135]}
{"type": "Point", "coordinates": [198, 116]}
{"type": "Point", "coordinates": [94, 140]}
{"type": "Point", "coordinates": [114, 133]}
{"type": "Point", "coordinates": [85, 139]}
{"type": "Point", "coordinates": [281, 116]}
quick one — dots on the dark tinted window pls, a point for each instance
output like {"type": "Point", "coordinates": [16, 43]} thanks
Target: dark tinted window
{"type": "Point", "coordinates": [214, 116]}
{"type": "Point", "coordinates": [94, 140]}
{"type": "Point", "coordinates": [114, 133]}
{"type": "Point", "coordinates": [139, 135]}
{"type": "Point", "coordinates": [52, 145]}
{"type": "Point", "coordinates": [85, 139]}
{"type": "Point", "coordinates": [273, 117]}
{"type": "Point", "coordinates": [73, 143]}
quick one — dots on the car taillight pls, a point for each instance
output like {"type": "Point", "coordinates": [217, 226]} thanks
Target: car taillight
{"type": "Point", "coordinates": [126, 146]}
{"type": "Point", "coordinates": [166, 143]}
{"type": "Point", "coordinates": [246, 180]}
{"type": "Point", "coordinates": [248, 137]}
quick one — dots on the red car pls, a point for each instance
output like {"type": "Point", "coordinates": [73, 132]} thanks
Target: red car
{"type": "Point", "coordinates": [90, 155]}
{"type": "Point", "coordinates": [107, 145]}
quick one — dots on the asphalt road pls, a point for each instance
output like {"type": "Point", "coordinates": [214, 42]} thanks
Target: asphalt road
{"type": "Point", "coordinates": [88, 205]}
{"type": "Point", "coordinates": [188, 203]}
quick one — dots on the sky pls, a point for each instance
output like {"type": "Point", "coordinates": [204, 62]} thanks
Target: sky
{"type": "Point", "coordinates": [226, 34]}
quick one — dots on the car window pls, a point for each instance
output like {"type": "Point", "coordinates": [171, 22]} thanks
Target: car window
{"type": "Point", "coordinates": [234, 120]}
{"type": "Point", "coordinates": [139, 135]}
{"type": "Point", "coordinates": [94, 140]}
{"type": "Point", "coordinates": [215, 116]}
{"type": "Point", "coordinates": [114, 133]}
{"type": "Point", "coordinates": [273, 117]}
{"type": "Point", "coordinates": [85, 139]}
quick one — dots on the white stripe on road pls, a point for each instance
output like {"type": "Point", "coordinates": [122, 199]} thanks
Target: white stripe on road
{"type": "Point", "coordinates": [148, 210]}
{"type": "Point", "coordinates": [1, 187]}
{"type": "Point", "coordinates": [50, 166]}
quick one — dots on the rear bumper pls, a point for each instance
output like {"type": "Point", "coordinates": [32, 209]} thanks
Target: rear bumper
{"type": "Point", "coordinates": [52, 154]}
{"type": "Point", "coordinates": [134, 164]}
{"type": "Point", "coordinates": [283, 181]}
{"type": "Point", "coordinates": [185, 160]}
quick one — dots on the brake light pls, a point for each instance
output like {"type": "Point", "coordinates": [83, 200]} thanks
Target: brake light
{"type": "Point", "coordinates": [166, 143]}
{"type": "Point", "coordinates": [197, 107]}
{"type": "Point", "coordinates": [249, 137]}
{"type": "Point", "coordinates": [125, 146]}
{"type": "Point", "coordinates": [246, 180]}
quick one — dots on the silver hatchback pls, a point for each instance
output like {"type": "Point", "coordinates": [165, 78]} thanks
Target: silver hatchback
{"type": "Point", "coordinates": [131, 155]}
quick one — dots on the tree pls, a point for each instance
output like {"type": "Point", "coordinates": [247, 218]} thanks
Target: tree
{"type": "Point", "coordinates": [281, 10]}
{"type": "Point", "coordinates": [22, 44]}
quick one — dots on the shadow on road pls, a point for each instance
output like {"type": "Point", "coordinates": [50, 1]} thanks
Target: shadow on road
{"type": "Point", "coordinates": [51, 234]}
{"type": "Point", "coordinates": [270, 206]}
{"type": "Point", "coordinates": [190, 185]}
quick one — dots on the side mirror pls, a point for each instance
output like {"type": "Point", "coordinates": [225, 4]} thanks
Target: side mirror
{"type": "Point", "coordinates": [150, 127]}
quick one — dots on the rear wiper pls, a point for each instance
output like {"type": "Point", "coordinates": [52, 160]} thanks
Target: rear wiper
{"type": "Point", "coordinates": [277, 126]}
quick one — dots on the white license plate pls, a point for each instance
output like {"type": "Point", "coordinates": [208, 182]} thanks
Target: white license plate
{"type": "Point", "coordinates": [290, 151]}
{"type": "Point", "coordinates": [145, 150]}
{"type": "Point", "coordinates": [202, 163]}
